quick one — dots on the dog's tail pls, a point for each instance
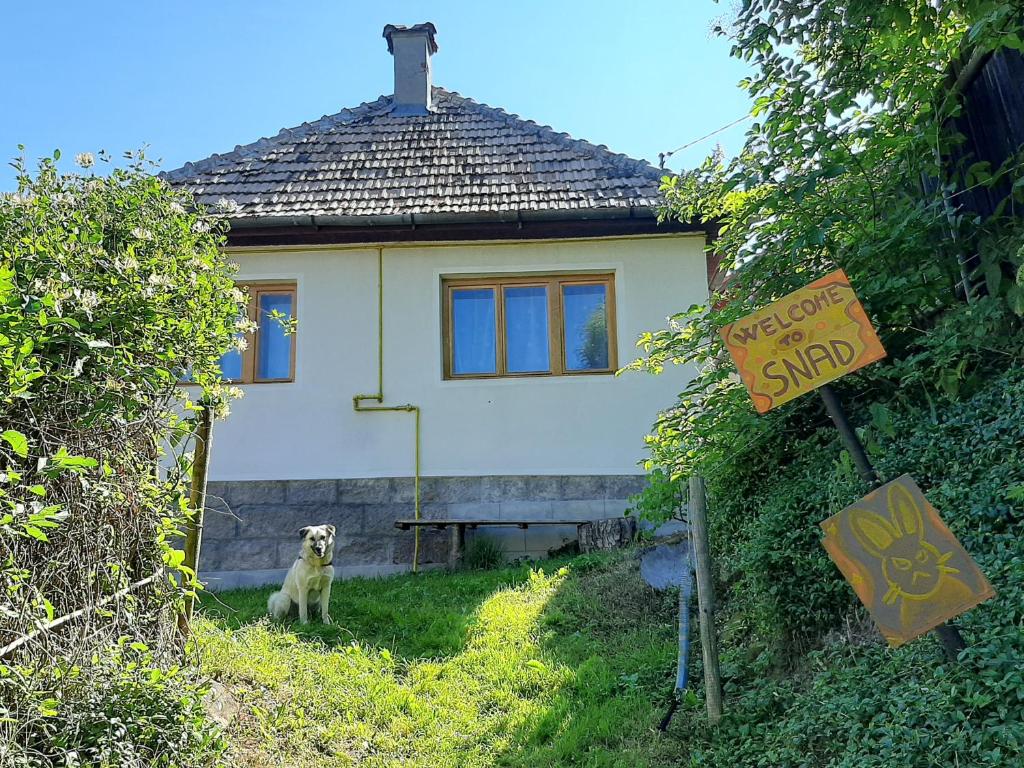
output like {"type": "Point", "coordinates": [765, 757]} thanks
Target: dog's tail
{"type": "Point", "coordinates": [278, 605]}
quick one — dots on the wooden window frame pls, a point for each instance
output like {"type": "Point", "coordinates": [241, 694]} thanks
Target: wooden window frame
{"type": "Point", "coordinates": [556, 326]}
{"type": "Point", "coordinates": [250, 355]}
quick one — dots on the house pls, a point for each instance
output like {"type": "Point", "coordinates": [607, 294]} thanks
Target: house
{"type": "Point", "coordinates": [465, 284]}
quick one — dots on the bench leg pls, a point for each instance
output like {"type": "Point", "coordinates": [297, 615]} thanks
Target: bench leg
{"type": "Point", "coordinates": [457, 545]}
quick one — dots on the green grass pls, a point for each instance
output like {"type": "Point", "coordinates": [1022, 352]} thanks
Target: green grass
{"type": "Point", "coordinates": [569, 665]}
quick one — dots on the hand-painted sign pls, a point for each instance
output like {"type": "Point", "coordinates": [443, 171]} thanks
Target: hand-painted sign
{"type": "Point", "coordinates": [802, 341]}
{"type": "Point", "coordinates": [905, 565]}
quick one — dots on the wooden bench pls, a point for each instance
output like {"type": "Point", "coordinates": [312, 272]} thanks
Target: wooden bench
{"type": "Point", "coordinates": [458, 530]}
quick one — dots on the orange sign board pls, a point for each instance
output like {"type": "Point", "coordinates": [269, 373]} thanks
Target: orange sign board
{"type": "Point", "coordinates": [905, 565]}
{"type": "Point", "coordinates": [803, 340]}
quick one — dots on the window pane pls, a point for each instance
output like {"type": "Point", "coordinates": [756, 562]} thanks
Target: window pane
{"type": "Point", "coordinates": [275, 348]}
{"type": "Point", "coordinates": [231, 365]}
{"type": "Point", "coordinates": [586, 327]}
{"type": "Point", "coordinates": [526, 329]}
{"type": "Point", "coordinates": [474, 330]}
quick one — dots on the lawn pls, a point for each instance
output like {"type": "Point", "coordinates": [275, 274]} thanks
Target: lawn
{"type": "Point", "coordinates": [569, 663]}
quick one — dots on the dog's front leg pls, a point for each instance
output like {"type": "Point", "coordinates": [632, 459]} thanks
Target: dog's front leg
{"type": "Point", "coordinates": [304, 605]}
{"type": "Point", "coordinates": [325, 596]}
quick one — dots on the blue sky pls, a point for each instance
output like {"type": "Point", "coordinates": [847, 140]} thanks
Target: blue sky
{"type": "Point", "coordinates": [191, 78]}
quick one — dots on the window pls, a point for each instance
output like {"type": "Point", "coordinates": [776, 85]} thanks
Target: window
{"type": "Point", "coordinates": [529, 326]}
{"type": "Point", "coordinates": [270, 353]}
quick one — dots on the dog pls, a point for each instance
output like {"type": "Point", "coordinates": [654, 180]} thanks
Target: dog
{"type": "Point", "coordinates": [309, 578]}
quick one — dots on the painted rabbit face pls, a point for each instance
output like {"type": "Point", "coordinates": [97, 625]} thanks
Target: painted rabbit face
{"type": "Point", "coordinates": [912, 567]}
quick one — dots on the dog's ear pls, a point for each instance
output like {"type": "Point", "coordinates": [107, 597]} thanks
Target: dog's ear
{"type": "Point", "coordinates": [330, 529]}
{"type": "Point", "coordinates": [303, 531]}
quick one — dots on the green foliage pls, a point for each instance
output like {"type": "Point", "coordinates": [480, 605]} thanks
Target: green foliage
{"type": "Point", "coordinates": [661, 498]}
{"type": "Point", "coordinates": [782, 589]}
{"type": "Point", "coordinates": [111, 288]}
{"type": "Point", "coordinates": [853, 105]}
{"type": "Point", "coordinates": [482, 553]}
{"type": "Point", "coordinates": [852, 702]}
{"type": "Point", "coordinates": [124, 709]}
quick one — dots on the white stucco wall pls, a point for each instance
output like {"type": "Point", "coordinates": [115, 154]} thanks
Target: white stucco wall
{"type": "Point", "coordinates": [592, 424]}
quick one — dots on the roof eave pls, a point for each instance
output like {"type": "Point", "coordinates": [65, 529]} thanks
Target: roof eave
{"type": "Point", "coordinates": [535, 225]}
{"type": "Point", "coordinates": [414, 219]}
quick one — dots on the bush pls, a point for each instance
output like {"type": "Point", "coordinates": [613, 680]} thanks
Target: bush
{"type": "Point", "coordinates": [110, 290]}
{"type": "Point", "coordinates": [124, 709]}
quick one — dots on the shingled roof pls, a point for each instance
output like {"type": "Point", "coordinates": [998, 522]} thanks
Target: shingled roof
{"type": "Point", "coordinates": [461, 160]}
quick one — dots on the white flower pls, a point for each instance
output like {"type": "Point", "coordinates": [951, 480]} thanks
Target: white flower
{"type": "Point", "coordinates": [85, 159]}
{"type": "Point", "coordinates": [226, 205]}
{"type": "Point", "coordinates": [142, 234]}
{"type": "Point", "coordinates": [89, 299]}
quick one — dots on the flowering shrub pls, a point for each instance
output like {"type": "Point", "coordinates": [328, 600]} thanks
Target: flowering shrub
{"type": "Point", "coordinates": [111, 288]}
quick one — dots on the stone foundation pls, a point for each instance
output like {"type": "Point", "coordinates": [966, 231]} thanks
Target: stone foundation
{"type": "Point", "coordinates": [251, 528]}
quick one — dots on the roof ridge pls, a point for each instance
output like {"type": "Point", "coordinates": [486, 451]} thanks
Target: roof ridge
{"type": "Point", "coordinates": [245, 151]}
{"type": "Point", "coordinates": [597, 151]}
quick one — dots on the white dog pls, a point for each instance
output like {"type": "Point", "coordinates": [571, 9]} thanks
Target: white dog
{"type": "Point", "coordinates": [309, 578]}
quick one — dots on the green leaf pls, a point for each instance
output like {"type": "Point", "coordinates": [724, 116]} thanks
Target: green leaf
{"type": "Point", "coordinates": [35, 533]}
{"type": "Point", "coordinates": [174, 557]}
{"type": "Point", "coordinates": [1015, 298]}
{"type": "Point", "coordinates": [17, 441]}
{"type": "Point", "coordinates": [993, 277]}
{"type": "Point", "coordinates": [48, 707]}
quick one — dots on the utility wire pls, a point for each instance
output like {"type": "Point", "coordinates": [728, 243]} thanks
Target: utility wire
{"type": "Point", "coordinates": [663, 156]}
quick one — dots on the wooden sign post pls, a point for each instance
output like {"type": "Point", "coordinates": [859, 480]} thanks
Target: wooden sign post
{"type": "Point", "coordinates": [697, 518]}
{"type": "Point", "coordinates": [197, 506]}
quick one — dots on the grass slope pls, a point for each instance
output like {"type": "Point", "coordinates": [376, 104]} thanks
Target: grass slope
{"type": "Point", "coordinates": [513, 667]}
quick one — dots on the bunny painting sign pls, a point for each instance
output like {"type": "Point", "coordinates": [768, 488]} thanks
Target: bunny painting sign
{"type": "Point", "coordinates": [903, 562]}
{"type": "Point", "coordinates": [803, 340]}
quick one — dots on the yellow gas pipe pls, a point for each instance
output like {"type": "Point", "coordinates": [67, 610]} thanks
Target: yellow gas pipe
{"type": "Point", "coordinates": [357, 401]}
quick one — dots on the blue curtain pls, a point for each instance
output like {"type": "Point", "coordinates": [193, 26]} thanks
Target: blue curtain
{"type": "Point", "coordinates": [474, 330]}
{"type": "Point", "coordinates": [275, 348]}
{"type": "Point", "coordinates": [526, 329]}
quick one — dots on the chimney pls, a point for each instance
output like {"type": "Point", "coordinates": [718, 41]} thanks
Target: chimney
{"type": "Point", "coordinates": [412, 48]}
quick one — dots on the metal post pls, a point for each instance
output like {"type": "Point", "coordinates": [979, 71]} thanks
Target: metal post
{"type": "Point", "coordinates": [197, 505]}
{"type": "Point", "coordinates": [950, 637]}
{"type": "Point", "coordinates": [697, 519]}
{"type": "Point", "coordinates": [849, 436]}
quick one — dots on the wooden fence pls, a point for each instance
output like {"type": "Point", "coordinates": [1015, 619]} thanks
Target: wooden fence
{"type": "Point", "coordinates": [992, 123]}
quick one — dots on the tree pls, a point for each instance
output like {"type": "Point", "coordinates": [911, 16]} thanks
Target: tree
{"type": "Point", "coordinates": [853, 102]}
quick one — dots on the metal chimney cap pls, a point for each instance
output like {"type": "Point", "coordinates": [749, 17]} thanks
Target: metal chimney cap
{"type": "Point", "coordinates": [426, 28]}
